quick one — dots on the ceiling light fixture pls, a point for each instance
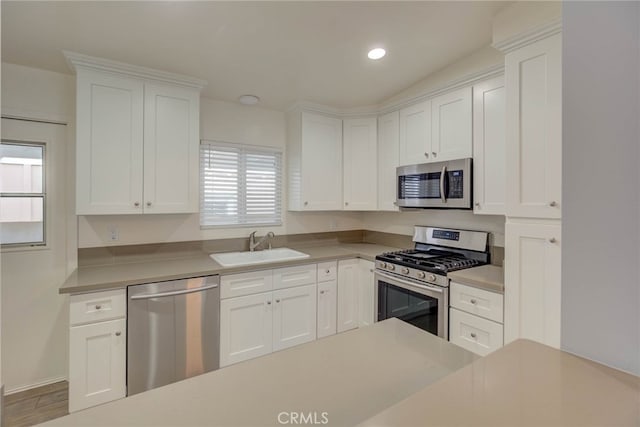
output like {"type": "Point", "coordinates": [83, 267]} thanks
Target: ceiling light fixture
{"type": "Point", "coordinates": [248, 99]}
{"type": "Point", "coordinates": [376, 53]}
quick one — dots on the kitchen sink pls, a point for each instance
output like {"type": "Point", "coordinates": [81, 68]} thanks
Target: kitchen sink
{"type": "Point", "coordinates": [234, 259]}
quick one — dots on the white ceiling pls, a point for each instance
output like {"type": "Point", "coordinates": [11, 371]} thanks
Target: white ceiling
{"type": "Point", "coordinates": [279, 51]}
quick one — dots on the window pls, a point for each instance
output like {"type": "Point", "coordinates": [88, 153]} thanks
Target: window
{"type": "Point", "coordinates": [22, 193]}
{"type": "Point", "coordinates": [239, 185]}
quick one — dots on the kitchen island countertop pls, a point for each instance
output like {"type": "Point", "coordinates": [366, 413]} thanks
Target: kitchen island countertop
{"type": "Point", "coordinates": [347, 377]}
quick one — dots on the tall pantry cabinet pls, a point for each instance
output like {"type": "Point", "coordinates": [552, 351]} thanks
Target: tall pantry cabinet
{"type": "Point", "coordinates": [533, 76]}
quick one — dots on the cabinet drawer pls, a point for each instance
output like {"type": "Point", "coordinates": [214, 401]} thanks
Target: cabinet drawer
{"type": "Point", "coordinates": [477, 301]}
{"type": "Point", "coordinates": [294, 276]}
{"type": "Point", "coordinates": [327, 271]}
{"type": "Point", "coordinates": [474, 333]}
{"type": "Point", "coordinates": [253, 282]}
{"type": "Point", "coordinates": [97, 306]}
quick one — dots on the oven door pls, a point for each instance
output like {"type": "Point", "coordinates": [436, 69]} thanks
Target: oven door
{"type": "Point", "coordinates": [419, 304]}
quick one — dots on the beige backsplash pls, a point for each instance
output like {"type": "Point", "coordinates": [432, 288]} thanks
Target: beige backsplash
{"type": "Point", "coordinates": [139, 253]}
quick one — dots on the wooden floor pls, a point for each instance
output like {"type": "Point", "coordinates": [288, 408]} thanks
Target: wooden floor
{"type": "Point", "coordinates": [37, 405]}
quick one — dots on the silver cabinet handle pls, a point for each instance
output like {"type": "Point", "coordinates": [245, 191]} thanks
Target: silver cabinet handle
{"type": "Point", "coordinates": [118, 333]}
{"type": "Point", "coordinates": [172, 293]}
{"type": "Point", "coordinates": [148, 203]}
{"type": "Point", "coordinates": [136, 204]}
{"type": "Point", "coordinates": [553, 203]}
{"type": "Point", "coordinates": [472, 301]}
{"type": "Point", "coordinates": [473, 335]}
{"type": "Point", "coordinates": [426, 155]}
{"type": "Point", "coordinates": [98, 306]}
{"type": "Point", "coordinates": [434, 154]}
{"type": "Point", "coordinates": [442, 174]}
{"type": "Point", "coordinates": [552, 240]}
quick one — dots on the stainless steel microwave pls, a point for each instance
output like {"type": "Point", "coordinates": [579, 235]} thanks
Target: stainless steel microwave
{"type": "Point", "coordinates": [440, 185]}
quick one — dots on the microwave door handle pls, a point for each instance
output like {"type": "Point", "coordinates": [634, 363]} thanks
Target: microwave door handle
{"type": "Point", "coordinates": [443, 174]}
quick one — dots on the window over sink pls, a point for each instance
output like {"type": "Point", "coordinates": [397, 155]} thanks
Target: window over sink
{"type": "Point", "coordinates": [240, 185]}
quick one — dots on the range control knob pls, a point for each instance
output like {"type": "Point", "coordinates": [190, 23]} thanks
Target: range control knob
{"type": "Point", "coordinates": [421, 275]}
{"type": "Point", "coordinates": [383, 265]}
{"type": "Point", "coordinates": [405, 270]}
{"type": "Point", "coordinates": [432, 278]}
{"type": "Point", "coordinates": [391, 267]}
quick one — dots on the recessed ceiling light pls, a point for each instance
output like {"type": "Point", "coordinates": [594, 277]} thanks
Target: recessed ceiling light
{"type": "Point", "coordinates": [248, 99]}
{"type": "Point", "coordinates": [376, 53]}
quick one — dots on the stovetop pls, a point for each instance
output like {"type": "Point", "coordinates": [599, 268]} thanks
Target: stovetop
{"type": "Point", "coordinates": [432, 260]}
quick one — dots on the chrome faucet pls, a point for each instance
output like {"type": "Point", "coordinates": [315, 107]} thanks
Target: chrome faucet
{"type": "Point", "coordinates": [252, 240]}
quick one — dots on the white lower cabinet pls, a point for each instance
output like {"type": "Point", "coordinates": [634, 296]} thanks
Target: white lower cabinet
{"type": "Point", "coordinates": [327, 306]}
{"type": "Point", "coordinates": [97, 350]}
{"type": "Point", "coordinates": [348, 294]}
{"type": "Point", "coordinates": [294, 316]}
{"type": "Point", "coordinates": [257, 324]}
{"type": "Point", "coordinates": [475, 318]}
{"type": "Point", "coordinates": [474, 333]}
{"type": "Point", "coordinates": [366, 302]}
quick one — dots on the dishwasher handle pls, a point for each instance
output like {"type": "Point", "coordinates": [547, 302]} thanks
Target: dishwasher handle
{"type": "Point", "coordinates": [173, 293]}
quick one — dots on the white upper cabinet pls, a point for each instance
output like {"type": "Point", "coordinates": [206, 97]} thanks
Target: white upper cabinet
{"type": "Point", "coordinates": [109, 149]}
{"type": "Point", "coordinates": [451, 126]}
{"type": "Point", "coordinates": [314, 151]}
{"type": "Point", "coordinates": [415, 134]}
{"type": "Point", "coordinates": [171, 142]}
{"type": "Point", "coordinates": [388, 160]}
{"type": "Point", "coordinates": [533, 81]}
{"type": "Point", "coordinates": [137, 139]}
{"type": "Point", "coordinates": [360, 164]}
{"type": "Point", "coordinates": [489, 159]}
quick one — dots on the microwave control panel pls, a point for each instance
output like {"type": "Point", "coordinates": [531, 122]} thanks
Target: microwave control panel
{"type": "Point", "coordinates": [456, 186]}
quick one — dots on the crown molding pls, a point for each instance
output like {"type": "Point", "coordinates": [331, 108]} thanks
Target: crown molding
{"type": "Point", "coordinates": [375, 110]}
{"type": "Point", "coordinates": [79, 61]}
{"type": "Point", "coordinates": [533, 35]}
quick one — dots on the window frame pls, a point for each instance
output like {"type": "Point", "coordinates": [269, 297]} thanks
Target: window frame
{"type": "Point", "coordinates": [279, 182]}
{"type": "Point", "coordinates": [10, 247]}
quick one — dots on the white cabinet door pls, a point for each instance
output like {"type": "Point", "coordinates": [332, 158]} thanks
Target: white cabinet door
{"type": "Point", "coordinates": [451, 124]}
{"type": "Point", "coordinates": [474, 333]}
{"type": "Point", "coordinates": [294, 316]}
{"type": "Point", "coordinates": [489, 158]}
{"type": "Point", "coordinates": [360, 164]}
{"type": "Point", "coordinates": [388, 160]}
{"type": "Point", "coordinates": [245, 328]}
{"type": "Point", "coordinates": [532, 283]}
{"type": "Point", "coordinates": [171, 147]}
{"type": "Point", "coordinates": [327, 305]}
{"type": "Point", "coordinates": [109, 144]}
{"type": "Point", "coordinates": [348, 294]}
{"type": "Point", "coordinates": [415, 134]}
{"type": "Point", "coordinates": [97, 363]}
{"type": "Point", "coordinates": [366, 302]}
{"type": "Point", "coordinates": [321, 169]}
{"type": "Point", "coordinates": [533, 82]}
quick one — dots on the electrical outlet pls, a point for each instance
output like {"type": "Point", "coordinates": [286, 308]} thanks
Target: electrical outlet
{"type": "Point", "coordinates": [113, 233]}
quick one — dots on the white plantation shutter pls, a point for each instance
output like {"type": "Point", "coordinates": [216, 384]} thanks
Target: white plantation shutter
{"type": "Point", "coordinates": [239, 185]}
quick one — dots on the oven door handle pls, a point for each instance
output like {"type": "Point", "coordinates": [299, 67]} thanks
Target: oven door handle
{"type": "Point", "coordinates": [443, 196]}
{"type": "Point", "coordinates": [411, 284]}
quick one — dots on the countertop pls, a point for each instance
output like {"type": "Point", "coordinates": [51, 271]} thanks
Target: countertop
{"type": "Point", "coordinates": [523, 384]}
{"type": "Point", "coordinates": [489, 277]}
{"type": "Point", "coordinates": [349, 376]}
{"type": "Point", "coordinates": [117, 276]}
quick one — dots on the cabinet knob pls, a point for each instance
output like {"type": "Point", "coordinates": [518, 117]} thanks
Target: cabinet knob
{"type": "Point", "coordinates": [98, 307]}
{"type": "Point", "coordinates": [148, 203]}
{"type": "Point", "coordinates": [472, 301]}
{"type": "Point", "coordinates": [277, 301]}
{"type": "Point", "coordinates": [321, 292]}
{"type": "Point", "coordinates": [552, 240]}
{"type": "Point", "coordinates": [346, 203]}
{"type": "Point", "coordinates": [306, 203]}
{"type": "Point", "coordinates": [478, 205]}
{"type": "Point", "coordinates": [426, 155]}
{"type": "Point", "coordinates": [118, 333]}
{"type": "Point", "coordinates": [473, 334]}
{"type": "Point", "coordinates": [136, 204]}
{"type": "Point", "coordinates": [553, 203]}
{"type": "Point", "coordinates": [268, 302]}
{"type": "Point", "coordinates": [434, 154]}
{"type": "Point", "coordinates": [327, 271]}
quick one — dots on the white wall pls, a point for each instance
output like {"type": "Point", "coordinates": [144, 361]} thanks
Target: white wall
{"type": "Point", "coordinates": [601, 213]}
{"type": "Point", "coordinates": [34, 315]}
{"type": "Point", "coordinates": [230, 122]}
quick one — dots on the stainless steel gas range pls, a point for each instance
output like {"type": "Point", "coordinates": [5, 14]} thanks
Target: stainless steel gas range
{"type": "Point", "coordinates": [412, 284]}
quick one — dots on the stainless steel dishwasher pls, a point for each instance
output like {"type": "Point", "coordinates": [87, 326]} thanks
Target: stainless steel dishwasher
{"type": "Point", "coordinates": [173, 331]}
